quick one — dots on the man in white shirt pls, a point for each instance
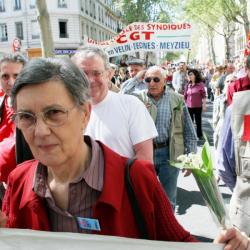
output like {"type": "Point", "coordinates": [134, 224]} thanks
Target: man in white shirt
{"type": "Point", "coordinates": [180, 78]}
{"type": "Point", "coordinates": [120, 121]}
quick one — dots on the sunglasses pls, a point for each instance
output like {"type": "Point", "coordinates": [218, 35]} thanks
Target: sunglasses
{"type": "Point", "coordinates": [155, 79]}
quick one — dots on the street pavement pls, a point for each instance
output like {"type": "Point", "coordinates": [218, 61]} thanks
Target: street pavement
{"type": "Point", "coordinates": [191, 210]}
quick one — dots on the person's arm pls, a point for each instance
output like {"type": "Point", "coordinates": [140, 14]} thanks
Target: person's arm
{"type": "Point", "coordinates": [174, 81]}
{"type": "Point", "coordinates": [7, 157]}
{"type": "Point", "coordinates": [204, 104]}
{"type": "Point", "coordinates": [144, 150]}
{"type": "Point", "coordinates": [129, 85]}
{"type": "Point", "coordinates": [229, 95]}
{"type": "Point", "coordinates": [167, 226]}
{"type": "Point", "coordinates": [224, 155]}
{"type": "Point", "coordinates": [3, 219]}
{"type": "Point", "coordinates": [234, 239]}
{"type": "Point", "coordinates": [185, 92]}
{"type": "Point", "coordinates": [230, 91]}
{"type": "Point", "coordinates": [204, 97]}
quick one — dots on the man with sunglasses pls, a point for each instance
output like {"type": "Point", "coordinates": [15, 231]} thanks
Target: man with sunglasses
{"type": "Point", "coordinates": [176, 133]}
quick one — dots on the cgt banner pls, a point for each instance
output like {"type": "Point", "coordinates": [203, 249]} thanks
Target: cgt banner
{"type": "Point", "coordinates": [23, 239]}
{"type": "Point", "coordinates": [148, 37]}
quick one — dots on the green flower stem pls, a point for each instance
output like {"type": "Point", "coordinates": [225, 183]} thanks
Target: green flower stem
{"type": "Point", "coordinates": [211, 195]}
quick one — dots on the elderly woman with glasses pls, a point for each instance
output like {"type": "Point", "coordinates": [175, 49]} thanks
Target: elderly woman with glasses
{"type": "Point", "coordinates": [76, 184]}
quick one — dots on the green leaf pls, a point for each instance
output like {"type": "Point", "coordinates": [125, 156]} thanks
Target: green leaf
{"type": "Point", "coordinates": [207, 157]}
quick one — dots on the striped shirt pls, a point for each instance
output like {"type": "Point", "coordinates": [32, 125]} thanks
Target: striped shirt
{"type": "Point", "coordinates": [163, 120]}
{"type": "Point", "coordinates": [83, 193]}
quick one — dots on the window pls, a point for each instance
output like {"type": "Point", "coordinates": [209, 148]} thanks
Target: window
{"type": "Point", "coordinates": [17, 4]}
{"type": "Point", "coordinates": [94, 13]}
{"type": "Point", "coordinates": [86, 7]}
{"type": "Point", "coordinates": [62, 4]}
{"type": "Point", "coordinates": [3, 32]}
{"type": "Point", "coordinates": [63, 32]}
{"type": "Point", "coordinates": [99, 13]}
{"type": "Point", "coordinates": [82, 30]}
{"type": "Point", "coordinates": [19, 30]}
{"type": "Point", "coordinates": [35, 30]}
{"type": "Point", "coordinates": [32, 4]}
{"type": "Point", "coordinates": [102, 16]}
{"type": "Point", "coordinates": [2, 6]}
{"type": "Point", "coordinates": [82, 5]}
{"type": "Point", "coordinates": [91, 33]}
{"type": "Point", "coordinates": [90, 9]}
{"type": "Point", "coordinates": [87, 30]}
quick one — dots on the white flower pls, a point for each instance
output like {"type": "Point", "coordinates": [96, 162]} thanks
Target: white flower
{"type": "Point", "coordinates": [191, 160]}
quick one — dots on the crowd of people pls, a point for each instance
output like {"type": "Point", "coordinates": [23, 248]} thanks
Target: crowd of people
{"type": "Point", "coordinates": [73, 124]}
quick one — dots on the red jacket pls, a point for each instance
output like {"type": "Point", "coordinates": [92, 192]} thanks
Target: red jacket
{"type": "Point", "coordinates": [113, 210]}
{"type": "Point", "coordinates": [7, 142]}
{"type": "Point", "coordinates": [239, 85]}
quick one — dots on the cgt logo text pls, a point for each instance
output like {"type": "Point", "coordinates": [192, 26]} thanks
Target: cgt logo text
{"type": "Point", "coordinates": [134, 36]}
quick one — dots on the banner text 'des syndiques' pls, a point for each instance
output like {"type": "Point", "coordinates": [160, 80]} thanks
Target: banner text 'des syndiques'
{"type": "Point", "coordinates": [148, 37]}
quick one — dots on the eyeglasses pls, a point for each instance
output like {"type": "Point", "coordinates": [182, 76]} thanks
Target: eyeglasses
{"type": "Point", "coordinates": [149, 79]}
{"type": "Point", "coordinates": [94, 73]}
{"type": "Point", "coordinates": [53, 117]}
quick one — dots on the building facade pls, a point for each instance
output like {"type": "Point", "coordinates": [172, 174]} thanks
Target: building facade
{"type": "Point", "coordinates": [71, 22]}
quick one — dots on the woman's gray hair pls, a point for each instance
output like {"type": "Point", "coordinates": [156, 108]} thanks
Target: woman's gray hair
{"type": "Point", "coordinates": [158, 68]}
{"type": "Point", "coordinates": [43, 70]}
{"type": "Point", "coordinates": [89, 52]}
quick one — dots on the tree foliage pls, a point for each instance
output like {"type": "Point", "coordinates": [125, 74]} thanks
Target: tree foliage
{"type": "Point", "coordinates": [143, 10]}
{"type": "Point", "coordinates": [213, 12]}
{"type": "Point", "coordinates": [148, 11]}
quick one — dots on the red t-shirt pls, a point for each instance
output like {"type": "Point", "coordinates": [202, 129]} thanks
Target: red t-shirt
{"type": "Point", "coordinates": [239, 85]}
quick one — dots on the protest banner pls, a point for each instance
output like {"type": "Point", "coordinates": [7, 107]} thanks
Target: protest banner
{"type": "Point", "coordinates": [148, 37]}
{"type": "Point", "coordinates": [24, 239]}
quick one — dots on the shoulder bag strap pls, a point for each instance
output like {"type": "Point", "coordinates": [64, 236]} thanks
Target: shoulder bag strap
{"type": "Point", "coordinates": [134, 203]}
{"type": "Point", "coordinates": [2, 98]}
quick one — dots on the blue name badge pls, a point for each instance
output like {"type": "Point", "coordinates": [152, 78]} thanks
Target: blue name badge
{"type": "Point", "coordinates": [89, 224]}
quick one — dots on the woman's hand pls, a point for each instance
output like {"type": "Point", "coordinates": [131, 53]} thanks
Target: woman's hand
{"type": "Point", "coordinates": [204, 107]}
{"type": "Point", "coordinates": [3, 219]}
{"type": "Point", "coordinates": [234, 239]}
{"type": "Point", "coordinates": [186, 172]}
